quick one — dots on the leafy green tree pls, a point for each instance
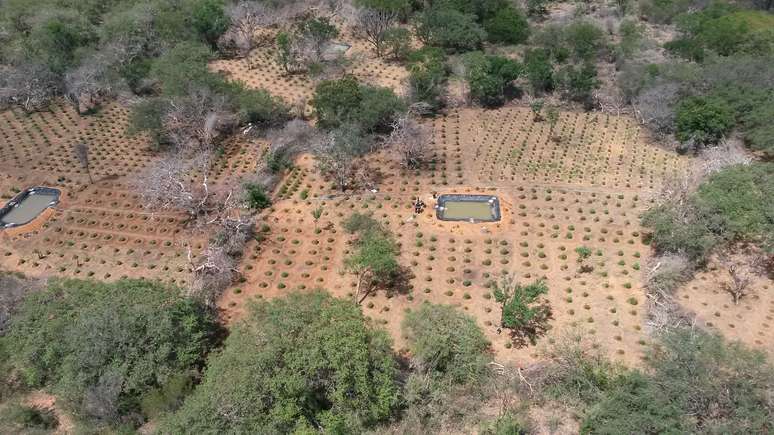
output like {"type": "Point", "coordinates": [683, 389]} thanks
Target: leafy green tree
{"type": "Point", "coordinates": [428, 75]}
{"type": "Point", "coordinates": [375, 259]}
{"type": "Point", "coordinates": [446, 344]}
{"type": "Point", "coordinates": [523, 312]}
{"type": "Point", "coordinates": [256, 196]}
{"type": "Point", "coordinates": [703, 120]}
{"type": "Point", "coordinates": [508, 26]}
{"type": "Point", "coordinates": [539, 70]}
{"type": "Point", "coordinates": [585, 39]}
{"type": "Point", "coordinates": [449, 29]}
{"type": "Point", "coordinates": [679, 231]}
{"type": "Point", "coordinates": [299, 364]}
{"type": "Point", "coordinates": [338, 102]}
{"type": "Point", "coordinates": [256, 106]}
{"type": "Point", "coordinates": [537, 8]}
{"type": "Point", "coordinates": [318, 30]}
{"type": "Point", "coordinates": [102, 347]}
{"type": "Point", "coordinates": [578, 82]}
{"type": "Point", "coordinates": [736, 203]}
{"type": "Point", "coordinates": [209, 19]}
{"type": "Point", "coordinates": [695, 383]}
{"type": "Point", "coordinates": [56, 38]}
{"type": "Point", "coordinates": [489, 77]}
{"type": "Point", "coordinates": [397, 41]}
{"type": "Point", "coordinates": [634, 405]}
{"type": "Point", "coordinates": [184, 67]}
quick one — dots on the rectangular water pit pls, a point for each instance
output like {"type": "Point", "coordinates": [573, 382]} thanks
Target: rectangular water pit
{"type": "Point", "coordinates": [470, 208]}
{"type": "Point", "coordinates": [26, 206]}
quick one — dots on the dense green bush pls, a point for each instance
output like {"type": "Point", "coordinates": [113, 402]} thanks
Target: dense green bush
{"type": "Point", "coordinates": [703, 120]}
{"type": "Point", "coordinates": [523, 311]}
{"type": "Point", "coordinates": [298, 364]}
{"type": "Point", "coordinates": [489, 77]}
{"type": "Point", "coordinates": [730, 206]}
{"type": "Point", "coordinates": [578, 82]}
{"type": "Point", "coordinates": [342, 101]}
{"type": "Point", "coordinates": [449, 29]}
{"type": "Point", "coordinates": [736, 203]}
{"type": "Point", "coordinates": [508, 26]}
{"type": "Point", "coordinates": [428, 75]}
{"type": "Point", "coordinates": [539, 70]}
{"type": "Point", "coordinates": [102, 347]}
{"type": "Point", "coordinates": [446, 344]}
{"type": "Point", "coordinates": [724, 30]}
{"type": "Point", "coordinates": [679, 231]}
{"type": "Point", "coordinates": [696, 383]}
{"type": "Point", "coordinates": [256, 196]}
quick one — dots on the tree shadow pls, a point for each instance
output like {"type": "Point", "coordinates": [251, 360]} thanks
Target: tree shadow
{"type": "Point", "coordinates": [533, 329]}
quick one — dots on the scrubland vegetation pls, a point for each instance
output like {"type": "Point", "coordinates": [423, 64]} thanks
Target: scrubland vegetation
{"type": "Point", "coordinates": [236, 250]}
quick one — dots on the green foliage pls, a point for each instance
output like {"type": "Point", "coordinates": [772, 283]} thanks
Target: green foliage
{"type": "Point", "coordinates": [446, 344]}
{"type": "Point", "coordinates": [375, 256]}
{"type": "Point", "coordinates": [428, 75]}
{"type": "Point", "coordinates": [537, 8]}
{"type": "Point", "coordinates": [385, 5]}
{"type": "Point", "coordinates": [539, 70]}
{"type": "Point", "coordinates": [583, 252]}
{"type": "Point", "coordinates": [703, 120]}
{"type": "Point", "coordinates": [585, 39]}
{"type": "Point", "coordinates": [580, 40]}
{"type": "Point", "coordinates": [449, 29]}
{"type": "Point", "coordinates": [523, 312]}
{"type": "Point", "coordinates": [489, 77]}
{"type": "Point", "coordinates": [184, 67]}
{"type": "Point", "coordinates": [731, 205]}
{"type": "Point", "coordinates": [346, 101]}
{"type": "Point", "coordinates": [103, 346]}
{"type": "Point", "coordinates": [20, 418]}
{"type": "Point", "coordinates": [256, 196]}
{"type": "Point", "coordinates": [506, 424]}
{"type": "Point", "coordinates": [508, 26]}
{"type": "Point", "coordinates": [664, 11]}
{"type": "Point", "coordinates": [146, 116]}
{"type": "Point", "coordinates": [358, 223]}
{"type": "Point", "coordinates": [696, 383]}
{"type": "Point", "coordinates": [209, 19]}
{"type": "Point", "coordinates": [166, 398]}
{"type": "Point", "coordinates": [578, 82]}
{"type": "Point", "coordinates": [633, 405]}
{"type": "Point", "coordinates": [722, 29]}
{"type": "Point", "coordinates": [298, 364]}
{"type": "Point", "coordinates": [397, 43]}
{"type": "Point", "coordinates": [56, 38]}
{"type": "Point", "coordinates": [256, 106]}
{"type": "Point", "coordinates": [679, 231]}
{"type": "Point", "coordinates": [736, 203]}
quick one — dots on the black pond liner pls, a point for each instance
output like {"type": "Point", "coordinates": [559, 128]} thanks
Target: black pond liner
{"type": "Point", "coordinates": [18, 199]}
{"type": "Point", "coordinates": [443, 199]}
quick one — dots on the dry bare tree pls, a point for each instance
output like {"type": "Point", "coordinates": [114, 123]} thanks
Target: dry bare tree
{"type": "Point", "coordinates": [655, 107]}
{"type": "Point", "coordinates": [410, 140]}
{"type": "Point", "coordinates": [246, 17]}
{"type": "Point", "coordinates": [30, 86]}
{"type": "Point", "coordinates": [742, 268]}
{"type": "Point", "coordinates": [82, 154]}
{"type": "Point", "coordinates": [374, 24]}
{"type": "Point", "coordinates": [95, 79]}
{"type": "Point", "coordinates": [337, 155]}
{"type": "Point", "coordinates": [196, 121]}
{"type": "Point", "coordinates": [178, 184]}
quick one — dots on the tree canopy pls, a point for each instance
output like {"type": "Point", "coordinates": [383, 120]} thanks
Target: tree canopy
{"type": "Point", "coordinates": [104, 346]}
{"type": "Point", "coordinates": [300, 364]}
